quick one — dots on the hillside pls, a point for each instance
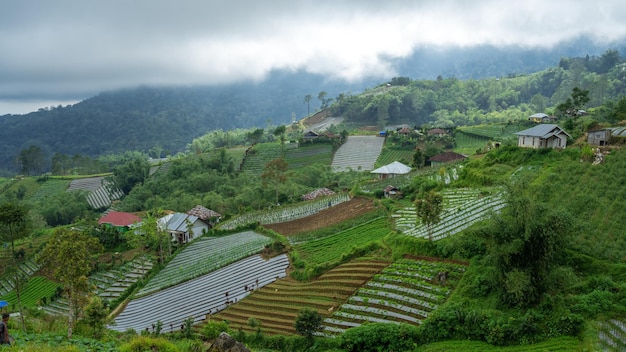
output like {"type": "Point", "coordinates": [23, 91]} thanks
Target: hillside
{"type": "Point", "coordinates": [164, 120]}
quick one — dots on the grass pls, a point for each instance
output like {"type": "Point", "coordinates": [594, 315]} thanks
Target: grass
{"type": "Point", "coordinates": [563, 344]}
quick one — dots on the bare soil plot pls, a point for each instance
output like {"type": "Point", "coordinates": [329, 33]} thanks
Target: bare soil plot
{"type": "Point", "coordinates": [327, 217]}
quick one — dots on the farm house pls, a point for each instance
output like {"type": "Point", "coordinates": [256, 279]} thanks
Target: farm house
{"type": "Point", "coordinates": [543, 136]}
{"type": "Point", "coordinates": [183, 227]}
{"type": "Point", "coordinates": [447, 157]}
{"type": "Point", "coordinates": [120, 220]}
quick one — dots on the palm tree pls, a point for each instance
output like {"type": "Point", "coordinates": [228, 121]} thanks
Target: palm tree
{"type": "Point", "coordinates": [307, 101]}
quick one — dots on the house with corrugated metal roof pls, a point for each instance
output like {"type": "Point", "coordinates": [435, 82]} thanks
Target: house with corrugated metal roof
{"type": "Point", "coordinates": [183, 227]}
{"type": "Point", "coordinates": [543, 136]}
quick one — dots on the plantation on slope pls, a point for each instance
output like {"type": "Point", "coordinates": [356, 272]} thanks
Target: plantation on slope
{"type": "Point", "coordinates": [327, 217]}
{"type": "Point", "coordinates": [204, 255]}
{"type": "Point", "coordinates": [201, 296]}
{"type": "Point", "coordinates": [276, 306]}
{"type": "Point", "coordinates": [358, 153]}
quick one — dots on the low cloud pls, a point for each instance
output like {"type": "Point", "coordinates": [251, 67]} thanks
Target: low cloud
{"type": "Point", "coordinates": [73, 49]}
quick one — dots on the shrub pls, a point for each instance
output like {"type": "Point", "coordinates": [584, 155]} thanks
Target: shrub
{"type": "Point", "coordinates": [212, 329]}
{"type": "Point", "coordinates": [377, 337]}
{"type": "Point", "coordinates": [146, 343]}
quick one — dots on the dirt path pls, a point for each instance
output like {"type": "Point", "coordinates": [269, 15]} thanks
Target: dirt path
{"type": "Point", "coordinates": [327, 217]}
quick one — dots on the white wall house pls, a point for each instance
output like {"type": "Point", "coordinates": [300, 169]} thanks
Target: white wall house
{"type": "Point", "coordinates": [543, 136]}
{"type": "Point", "coordinates": [183, 227]}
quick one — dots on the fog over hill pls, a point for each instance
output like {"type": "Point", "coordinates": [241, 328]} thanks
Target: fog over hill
{"type": "Point", "coordinates": [170, 117]}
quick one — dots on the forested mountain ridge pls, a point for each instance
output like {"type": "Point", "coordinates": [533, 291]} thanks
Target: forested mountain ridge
{"type": "Point", "coordinates": [167, 119]}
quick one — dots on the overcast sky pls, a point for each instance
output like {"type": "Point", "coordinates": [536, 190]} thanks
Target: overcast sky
{"type": "Point", "coordinates": [62, 51]}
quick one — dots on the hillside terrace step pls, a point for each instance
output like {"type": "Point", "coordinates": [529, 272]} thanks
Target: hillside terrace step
{"type": "Point", "coordinates": [54, 311]}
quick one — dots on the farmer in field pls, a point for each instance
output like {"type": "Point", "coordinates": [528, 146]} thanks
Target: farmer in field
{"type": "Point", "coordinates": [5, 339]}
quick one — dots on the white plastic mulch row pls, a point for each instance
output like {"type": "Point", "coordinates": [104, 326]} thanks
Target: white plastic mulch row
{"type": "Point", "coordinates": [205, 255]}
{"type": "Point", "coordinates": [207, 294]}
{"type": "Point", "coordinates": [358, 153]}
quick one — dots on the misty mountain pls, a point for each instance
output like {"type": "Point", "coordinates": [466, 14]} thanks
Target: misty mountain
{"type": "Point", "coordinates": [170, 117]}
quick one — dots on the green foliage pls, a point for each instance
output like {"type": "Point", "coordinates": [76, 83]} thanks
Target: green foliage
{"type": "Point", "coordinates": [65, 208]}
{"type": "Point", "coordinates": [429, 209]}
{"type": "Point", "coordinates": [212, 329]}
{"type": "Point", "coordinates": [129, 174]}
{"type": "Point", "coordinates": [524, 242]}
{"type": "Point", "coordinates": [68, 254]}
{"type": "Point", "coordinates": [379, 337]}
{"type": "Point", "coordinates": [308, 322]}
{"type": "Point", "coordinates": [147, 343]}
{"type": "Point", "coordinates": [95, 316]}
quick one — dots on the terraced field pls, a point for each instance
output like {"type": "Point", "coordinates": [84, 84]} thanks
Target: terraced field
{"type": "Point", "coordinates": [462, 208]}
{"type": "Point", "coordinates": [331, 248]}
{"type": "Point", "coordinates": [285, 213]}
{"type": "Point", "coordinates": [358, 153]}
{"type": "Point", "coordinates": [204, 255]}
{"type": "Point", "coordinates": [284, 298]}
{"type": "Point", "coordinates": [196, 298]}
{"type": "Point", "coordinates": [406, 291]}
{"type": "Point", "coordinates": [308, 154]}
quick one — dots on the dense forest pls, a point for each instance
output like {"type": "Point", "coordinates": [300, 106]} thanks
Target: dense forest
{"type": "Point", "coordinates": [162, 121]}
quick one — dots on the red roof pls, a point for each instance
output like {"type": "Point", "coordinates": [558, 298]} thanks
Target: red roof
{"type": "Point", "coordinates": [119, 218]}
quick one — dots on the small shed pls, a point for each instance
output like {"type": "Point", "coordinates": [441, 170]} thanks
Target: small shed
{"type": "Point", "coordinates": [437, 132]}
{"type": "Point", "coordinates": [392, 192]}
{"type": "Point", "coordinates": [391, 170]}
{"type": "Point", "coordinates": [599, 137]}
{"type": "Point", "coordinates": [447, 157]}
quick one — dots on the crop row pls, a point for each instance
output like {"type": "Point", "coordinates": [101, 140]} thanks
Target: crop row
{"type": "Point", "coordinates": [453, 220]}
{"type": "Point", "coordinates": [204, 295]}
{"type": "Point", "coordinates": [284, 298]}
{"type": "Point", "coordinates": [612, 335]}
{"type": "Point", "coordinates": [358, 153]}
{"type": "Point", "coordinates": [285, 213]}
{"type": "Point", "coordinates": [205, 255]}
{"type": "Point", "coordinates": [36, 288]}
{"type": "Point", "coordinates": [394, 298]}
{"type": "Point", "coordinates": [331, 248]}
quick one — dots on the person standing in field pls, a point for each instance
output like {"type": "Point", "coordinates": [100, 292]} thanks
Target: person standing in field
{"type": "Point", "coordinates": [5, 339]}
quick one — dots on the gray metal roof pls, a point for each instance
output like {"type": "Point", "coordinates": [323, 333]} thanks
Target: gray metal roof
{"type": "Point", "coordinates": [543, 130]}
{"type": "Point", "coordinates": [539, 114]}
{"type": "Point", "coordinates": [178, 222]}
{"type": "Point", "coordinates": [618, 131]}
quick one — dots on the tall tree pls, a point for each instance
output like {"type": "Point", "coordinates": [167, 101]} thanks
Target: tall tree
{"type": "Point", "coordinates": [152, 235]}
{"type": "Point", "coordinates": [574, 103]}
{"type": "Point", "coordinates": [68, 254]}
{"type": "Point", "coordinates": [32, 161]}
{"type": "Point", "coordinates": [280, 132]}
{"type": "Point", "coordinates": [308, 322]}
{"type": "Point", "coordinates": [131, 173]}
{"type": "Point", "coordinates": [307, 101]}
{"type": "Point", "coordinates": [14, 226]}
{"type": "Point", "coordinates": [275, 174]}
{"type": "Point", "coordinates": [524, 242]}
{"type": "Point", "coordinates": [428, 210]}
